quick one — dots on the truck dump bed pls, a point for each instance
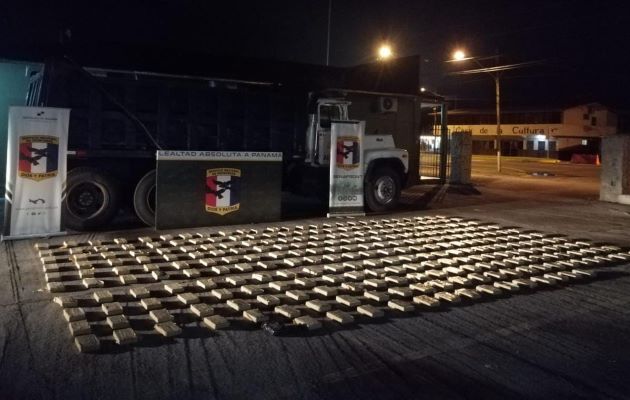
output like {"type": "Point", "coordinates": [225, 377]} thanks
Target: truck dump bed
{"type": "Point", "coordinates": [179, 112]}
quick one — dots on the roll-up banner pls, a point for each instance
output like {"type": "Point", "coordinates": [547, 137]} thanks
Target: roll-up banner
{"type": "Point", "coordinates": [346, 168]}
{"type": "Point", "coordinates": [36, 171]}
{"type": "Point", "coordinates": [207, 188]}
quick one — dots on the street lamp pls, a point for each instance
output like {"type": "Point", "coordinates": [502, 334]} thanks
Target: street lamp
{"type": "Point", "coordinates": [385, 52]}
{"type": "Point", "coordinates": [460, 55]}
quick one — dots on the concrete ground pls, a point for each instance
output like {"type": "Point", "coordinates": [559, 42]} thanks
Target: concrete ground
{"type": "Point", "coordinates": [569, 342]}
{"type": "Point", "coordinates": [565, 201]}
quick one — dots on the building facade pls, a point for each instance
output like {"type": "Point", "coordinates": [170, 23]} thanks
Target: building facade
{"type": "Point", "coordinates": [537, 133]}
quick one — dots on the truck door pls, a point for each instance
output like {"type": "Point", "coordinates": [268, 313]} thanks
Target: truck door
{"type": "Point", "coordinates": [325, 114]}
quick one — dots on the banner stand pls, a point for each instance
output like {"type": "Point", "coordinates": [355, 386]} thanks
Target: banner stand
{"type": "Point", "coordinates": [37, 144]}
{"type": "Point", "coordinates": [346, 169]}
{"type": "Point", "coordinates": [346, 214]}
{"type": "Point", "coordinates": [33, 236]}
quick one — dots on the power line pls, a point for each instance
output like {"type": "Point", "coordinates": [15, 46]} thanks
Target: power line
{"type": "Point", "coordinates": [498, 68]}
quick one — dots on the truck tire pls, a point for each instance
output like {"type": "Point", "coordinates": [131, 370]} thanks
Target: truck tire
{"type": "Point", "coordinates": [382, 189]}
{"type": "Point", "coordinates": [92, 199]}
{"type": "Point", "coordinates": [144, 198]}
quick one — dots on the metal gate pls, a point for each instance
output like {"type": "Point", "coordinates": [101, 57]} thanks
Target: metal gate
{"type": "Point", "coordinates": [435, 160]}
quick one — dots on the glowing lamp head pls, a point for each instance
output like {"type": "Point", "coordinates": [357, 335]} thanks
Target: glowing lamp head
{"type": "Point", "coordinates": [385, 52]}
{"type": "Point", "coordinates": [459, 55]}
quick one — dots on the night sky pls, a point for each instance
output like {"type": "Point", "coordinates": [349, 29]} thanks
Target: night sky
{"type": "Point", "coordinates": [584, 44]}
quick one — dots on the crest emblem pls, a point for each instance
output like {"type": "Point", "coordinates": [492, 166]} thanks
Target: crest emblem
{"type": "Point", "coordinates": [223, 190]}
{"type": "Point", "coordinates": [348, 155]}
{"type": "Point", "coordinates": [39, 156]}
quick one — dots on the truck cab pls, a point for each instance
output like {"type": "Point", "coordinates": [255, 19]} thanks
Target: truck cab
{"type": "Point", "coordinates": [385, 166]}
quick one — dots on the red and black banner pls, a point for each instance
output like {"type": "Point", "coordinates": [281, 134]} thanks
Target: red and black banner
{"type": "Point", "coordinates": [217, 188]}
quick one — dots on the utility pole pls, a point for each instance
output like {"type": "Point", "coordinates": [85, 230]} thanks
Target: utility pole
{"type": "Point", "coordinates": [497, 90]}
{"type": "Point", "coordinates": [328, 33]}
{"type": "Point", "coordinates": [495, 72]}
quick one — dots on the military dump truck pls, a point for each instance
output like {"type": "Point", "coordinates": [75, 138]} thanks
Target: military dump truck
{"type": "Point", "coordinates": [120, 117]}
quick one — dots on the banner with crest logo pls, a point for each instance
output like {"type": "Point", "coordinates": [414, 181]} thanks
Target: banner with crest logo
{"type": "Point", "coordinates": [346, 168]}
{"type": "Point", "coordinates": [36, 171]}
{"type": "Point", "coordinates": [207, 188]}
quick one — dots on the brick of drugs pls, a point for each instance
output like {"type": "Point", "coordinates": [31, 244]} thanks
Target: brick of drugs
{"type": "Point", "coordinates": [238, 304]}
{"type": "Point", "coordinates": [73, 314]}
{"type": "Point", "coordinates": [125, 336]}
{"type": "Point", "coordinates": [202, 310]}
{"type": "Point", "coordinates": [66, 301]}
{"type": "Point", "coordinates": [112, 308]}
{"type": "Point", "coordinates": [168, 329]}
{"type": "Point", "coordinates": [103, 296]}
{"type": "Point", "coordinates": [400, 305]}
{"type": "Point", "coordinates": [308, 321]}
{"type": "Point", "coordinates": [255, 315]}
{"type": "Point", "coordinates": [426, 301]}
{"type": "Point", "coordinates": [160, 315]}
{"type": "Point", "coordinates": [287, 311]}
{"type": "Point", "coordinates": [151, 303]}
{"type": "Point", "coordinates": [117, 322]}
{"type": "Point", "coordinates": [80, 327]}
{"type": "Point", "coordinates": [87, 343]}
{"type": "Point", "coordinates": [216, 322]}
{"type": "Point", "coordinates": [340, 316]}
{"type": "Point", "coordinates": [370, 311]}
{"type": "Point", "coordinates": [268, 299]}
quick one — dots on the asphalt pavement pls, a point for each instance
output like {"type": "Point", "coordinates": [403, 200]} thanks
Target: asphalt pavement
{"type": "Point", "coordinates": [570, 341]}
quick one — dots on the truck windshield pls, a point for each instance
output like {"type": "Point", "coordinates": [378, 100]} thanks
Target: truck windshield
{"type": "Point", "coordinates": [327, 113]}
{"type": "Point", "coordinates": [34, 88]}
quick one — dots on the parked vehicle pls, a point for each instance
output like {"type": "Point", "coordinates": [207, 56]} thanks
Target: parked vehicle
{"type": "Point", "coordinates": [120, 118]}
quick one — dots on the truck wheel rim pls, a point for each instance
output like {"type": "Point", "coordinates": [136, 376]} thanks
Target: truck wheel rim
{"type": "Point", "coordinates": [150, 199]}
{"type": "Point", "coordinates": [86, 200]}
{"type": "Point", "coordinates": [384, 188]}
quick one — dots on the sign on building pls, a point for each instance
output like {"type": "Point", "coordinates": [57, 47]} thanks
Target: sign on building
{"type": "Point", "coordinates": [36, 171]}
{"type": "Point", "coordinates": [346, 168]}
{"type": "Point", "coordinates": [205, 188]}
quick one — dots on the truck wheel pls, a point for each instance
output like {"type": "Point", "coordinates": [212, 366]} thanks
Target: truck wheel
{"type": "Point", "coordinates": [382, 189]}
{"type": "Point", "coordinates": [91, 199]}
{"type": "Point", "coordinates": [144, 198]}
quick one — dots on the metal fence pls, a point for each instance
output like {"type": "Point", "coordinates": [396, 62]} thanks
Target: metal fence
{"type": "Point", "coordinates": [435, 160]}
